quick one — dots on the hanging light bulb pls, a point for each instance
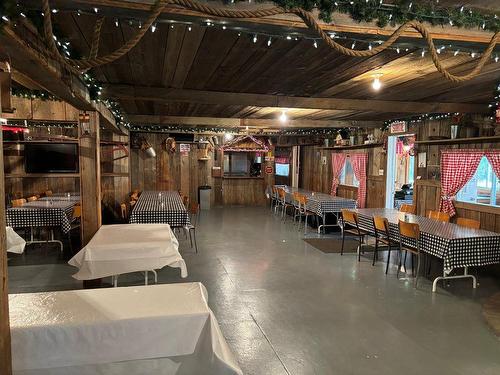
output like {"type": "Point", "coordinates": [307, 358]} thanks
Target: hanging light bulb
{"type": "Point", "coordinates": [283, 117]}
{"type": "Point", "coordinates": [153, 28]}
{"type": "Point", "coordinates": [189, 28]}
{"type": "Point", "coordinates": [224, 27]}
{"type": "Point", "coordinates": [377, 84]}
{"type": "Point", "coordinates": [116, 22]}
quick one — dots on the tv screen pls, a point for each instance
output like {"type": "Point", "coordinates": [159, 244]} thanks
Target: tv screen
{"type": "Point", "coordinates": [51, 158]}
{"type": "Point", "coordinates": [282, 169]}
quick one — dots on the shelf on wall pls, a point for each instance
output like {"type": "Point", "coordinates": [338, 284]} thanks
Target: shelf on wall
{"type": "Point", "coordinates": [50, 140]}
{"type": "Point", "coordinates": [495, 138]}
{"type": "Point", "coordinates": [40, 175]}
{"type": "Point", "coordinates": [353, 147]}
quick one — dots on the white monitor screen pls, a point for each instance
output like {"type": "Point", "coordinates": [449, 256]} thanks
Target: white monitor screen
{"type": "Point", "coordinates": [282, 169]}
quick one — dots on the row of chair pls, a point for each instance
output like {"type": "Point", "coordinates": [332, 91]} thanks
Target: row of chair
{"type": "Point", "coordinates": [298, 205]}
{"type": "Point", "coordinates": [407, 231]}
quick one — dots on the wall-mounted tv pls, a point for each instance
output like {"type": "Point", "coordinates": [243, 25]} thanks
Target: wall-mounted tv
{"type": "Point", "coordinates": [51, 158]}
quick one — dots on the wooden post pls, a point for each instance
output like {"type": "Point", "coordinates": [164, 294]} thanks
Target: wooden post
{"type": "Point", "coordinates": [90, 175]}
{"type": "Point", "coordinates": [5, 355]}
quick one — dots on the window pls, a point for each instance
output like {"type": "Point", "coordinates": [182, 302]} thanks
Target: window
{"type": "Point", "coordinates": [347, 176]}
{"type": "Point", "coordinates": [242, 164]}
{"type": "Point", "coordinates": [483, 187]}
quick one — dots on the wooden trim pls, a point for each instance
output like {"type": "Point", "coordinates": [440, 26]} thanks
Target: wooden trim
{"type": "Point", "coordinates": [371, 145]}
{"type": "Point", "coordinates": [478, 207]}
{"type": "Point", "coordinates": [491, 139]}
{"type": "Point", "coordinates": [5, 353]}
{"type": "Point", "coordinates": [162, 94]}
{"type": "Point", "coordinates": [244, 122]}
{"type": "Point", "coordinates": [124, 174]}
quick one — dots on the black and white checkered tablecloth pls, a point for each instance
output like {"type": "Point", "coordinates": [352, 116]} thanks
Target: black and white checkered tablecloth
{"type": "Point", "coordinates": [320, 203]}
{"type": "Point", "coordinates": [42, 214]}
{"type": "Point", "coordinates": [457, 246]}
{"type": "Point", "coordinates": [160, 207]}
{"type": "Point", "coordinates": [63, 198]}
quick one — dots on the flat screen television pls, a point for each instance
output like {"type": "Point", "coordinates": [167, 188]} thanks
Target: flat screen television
{"type": "Point", "coordinates": [51, 158]}
{"type": "Point", "coordinates": [282, 169]}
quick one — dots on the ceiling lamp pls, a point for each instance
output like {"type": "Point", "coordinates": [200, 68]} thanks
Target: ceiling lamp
{"type": "Point", "coordinates": [376, 84]}
{"type": "Point", "coordinates": [283, 117]}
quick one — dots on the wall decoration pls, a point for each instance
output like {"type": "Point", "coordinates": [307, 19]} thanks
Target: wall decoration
{"type": "Point", "coordinates": [184, 149]}
{"type": "Point", "coordinates": [422, 160]}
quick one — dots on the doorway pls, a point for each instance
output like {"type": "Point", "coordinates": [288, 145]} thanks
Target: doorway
{"type": "Point", "coordinates": [400, 170]}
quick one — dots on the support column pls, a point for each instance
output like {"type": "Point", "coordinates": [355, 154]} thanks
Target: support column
{"type": "Point", "coordinates": [90, 174]}
{"type": "Point", "coordinates": [5, 355]}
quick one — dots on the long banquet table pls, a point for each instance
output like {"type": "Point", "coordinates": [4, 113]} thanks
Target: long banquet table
{"type": "Point", "coordinates": [459, 247]}
{"type": "Point", "coordinates": [123, 248]}
{"type": "Point", "coordinates": [160, 207]}
{"type": "Point", "coordinates": [320, 203]}
{"type": "Point", "coordinates": [160, 329]}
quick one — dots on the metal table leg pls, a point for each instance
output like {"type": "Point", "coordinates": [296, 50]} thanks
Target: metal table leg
{"type": "Point", "coordinates": [446, 277]}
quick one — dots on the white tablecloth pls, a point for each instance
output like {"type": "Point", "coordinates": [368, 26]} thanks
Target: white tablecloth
{"type": "Point", "coordinates": [15, 243]}
{"type": "Point", "coordinates": [158, 329]}
{"type": "Point", "coordinates": [122, 248]}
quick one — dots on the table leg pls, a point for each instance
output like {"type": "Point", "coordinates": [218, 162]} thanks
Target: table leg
{"type": "Point", "coordinates": [446, 277]}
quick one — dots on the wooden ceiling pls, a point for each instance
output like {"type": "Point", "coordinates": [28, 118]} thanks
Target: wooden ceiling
{"type": "Point", "coordinates": [208, 58]}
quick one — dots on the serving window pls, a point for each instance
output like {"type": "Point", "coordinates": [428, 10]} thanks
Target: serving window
{"type": "Point", "coordinates": [242, 164]}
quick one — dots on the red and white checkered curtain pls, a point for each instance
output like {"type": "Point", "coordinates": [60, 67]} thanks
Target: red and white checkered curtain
{"type": "Point", "coordinates": [494, 159]}
{"type": "Point", "coordinates": [359, 162]}
{"type": "Point", "coordinates": [457, 168]}
{"type": "Point", "coordinates": [338, 161]}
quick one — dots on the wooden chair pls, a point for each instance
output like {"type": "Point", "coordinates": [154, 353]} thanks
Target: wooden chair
{"type": "Point", "coordinates": [350, 225]}
{"type": "Point", "coordinates": [76, 221]}
{"type": "Point", "coordinates": [194, 210]}
{"type": "Point", "coordinates": [48, 193]}
{"type": "Point", "coordinates": [32, 198]}
{"type": "Point", "coordinates": [408, 208]}
{"type": "Point", "coordinates": [381, 226]}
{"type": "Point", "coordinates": [438, 215]}
{"type": "Point", "coordinates": [282, 202]}
{"type": "Point", "coordinates": [409, 231]}
{"type": "Point", "coordinates": [274, 198]}
{"type": "Point", "coordinates": [124, 211]}
{"type": "Point", "coordinates": [18, 202]}
{"type": "Point", "coordinates": [469, 223]}
{"type": "Point", "coordinates": [302, 200]}
{"type": "Point", "coordinates": [185, 201]}
{"type": "Point", "coordinates": [296, 206]}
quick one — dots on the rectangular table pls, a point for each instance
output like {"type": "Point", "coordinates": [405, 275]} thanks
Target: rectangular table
{"type": "Point", "coordinates": [321, 203]}
{"type": "Point", "coordinates": [42, 213]}
{"type": "Point", "coordinates": [160, 207]}
{"type": "Point", "coordinates": [160, 329]}
{"type": "Point", "coordinates": [123, 248]}
{"type": "Point", "coordinates": [459, 247]}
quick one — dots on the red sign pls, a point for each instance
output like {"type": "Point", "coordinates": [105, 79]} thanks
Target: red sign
{"type": "Point", "coordinates": [398, 127]}
{"type": "Point", "coordinates": [269, 169]}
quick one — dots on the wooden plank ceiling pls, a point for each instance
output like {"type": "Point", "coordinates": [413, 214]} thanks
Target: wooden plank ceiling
{"type": "Point", "coordinates": [208, 58]}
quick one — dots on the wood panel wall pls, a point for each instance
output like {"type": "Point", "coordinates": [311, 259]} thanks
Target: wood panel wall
{"type": "Point", "coordinates": [170, 171]}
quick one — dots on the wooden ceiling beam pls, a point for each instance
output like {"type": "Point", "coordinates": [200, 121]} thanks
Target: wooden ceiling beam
{"type": "Point", "coordinates": [160, 94]}
{"type": "Point", "coordinates": [341, 23]}
{"type": "Point", "coordinates": [229, 122]}
{"type": "Point", "coordinates": [48, 74]}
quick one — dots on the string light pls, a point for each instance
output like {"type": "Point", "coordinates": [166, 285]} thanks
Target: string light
{"type": "Point", "coordinates": [153, 28]}
{"type": "Point", "coordinates": [315, 44]}
{"type": "Point", "coordinates": [269, 42]}
{"type": "Point", "coordinates": [116, 22]}
{"type": "Point", "coordinates": [255, 38]}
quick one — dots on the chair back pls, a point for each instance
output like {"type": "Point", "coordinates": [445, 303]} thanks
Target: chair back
{"type": "Point", "coordinates": [18, 202]}
{"type": "Point", "coordinates": [194, 210]}
{"type": "Point", "coordinates": [437, 215]}
{"type": "Point", "coordinates": [282, 194]}
{"type": "Point", "coordinates": [77, 211]}
{"type": "Point", "coordinates": [185, 201]}
{"type": "Point", "coordinates": [48, 193]}
{"type": "Point", "coordinates": [409, 230]}
{"type": "Point", "coordinates": [381, 225]}
{"type": "Point", "coordinates": [32, 198]}
{"type": "Point", "coordinates": [408, 208]}
{"type": "Point", "coordinates": [469, 223]}
{"type": "Point", "coordinates": [302, 201]}
{"type": "Point", "coordinates": [350, 217]}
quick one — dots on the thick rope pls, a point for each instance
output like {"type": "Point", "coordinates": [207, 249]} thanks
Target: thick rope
{"type": "Point", "coordinates": [306, 17]}
{"type": "Point", "coordinates": [96, 37]}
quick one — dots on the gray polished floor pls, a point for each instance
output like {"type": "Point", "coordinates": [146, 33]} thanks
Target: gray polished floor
{"type": "Point", "coordinates": [287, 308]}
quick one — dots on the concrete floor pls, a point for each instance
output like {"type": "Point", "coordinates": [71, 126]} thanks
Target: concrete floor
{"type": "Point", "coordinates": [287, 308]}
